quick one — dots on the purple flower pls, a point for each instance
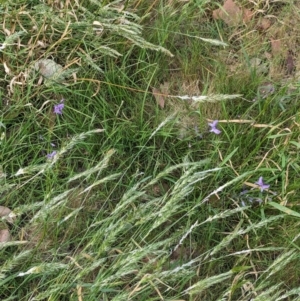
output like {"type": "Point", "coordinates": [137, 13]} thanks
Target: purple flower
{"type": "Point", "coordinates": [58, 108]}
{"type": "Point", "coordinates": [51, 155]}
{"type": "Point", "coordinates": [213, 126]}
{"type": "Point", "coordinates": [261, 184]}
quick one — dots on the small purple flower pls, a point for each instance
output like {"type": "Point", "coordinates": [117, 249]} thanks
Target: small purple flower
{"type": "Point", "coordinates": [261, 184]}
{"type": "Point", "coordinates": [213, 126]}
{"type": "Point", "coordinates": [58, 108]}
{"type": "Point", "coordinates": [51, 155]}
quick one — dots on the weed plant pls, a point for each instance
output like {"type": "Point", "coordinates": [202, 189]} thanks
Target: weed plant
{"type": "Point", "coordinates": [114, 196]}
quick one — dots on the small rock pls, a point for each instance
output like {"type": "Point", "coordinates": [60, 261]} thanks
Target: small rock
{"type": "Point", "coordinates": [4, 235]}
{"type": "Point", "coordinates": [49, 69]}
{"type": "Point", "coordinates": [265, 90]}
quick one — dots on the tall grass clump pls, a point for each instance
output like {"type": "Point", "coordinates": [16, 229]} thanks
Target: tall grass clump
{"type": "Point", "coordinates": [134, 166]}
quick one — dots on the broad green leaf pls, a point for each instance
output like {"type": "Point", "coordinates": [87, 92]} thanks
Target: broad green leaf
{"type": "Point", "coordinates": [284, 209]}
{"type": "Point", "coordinates": [295, 143]}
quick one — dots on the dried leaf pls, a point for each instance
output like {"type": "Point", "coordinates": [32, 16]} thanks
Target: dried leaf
{"type": "Point", "coordinates": [290, 63]}
{"type": "Point", "coordinates": [232, 14]}
{"type": "Point", "coordinates": [7, 214]}
{"type": "Point", "coordinates": [275, 46]}
{"type": "Point", "coordinates": [7, 32]}
{"type": "Point", "coordinates": [97, 23]}
{"type": "Point", "coordinates": [4, 211]}
{"type": "Point", "coordinates": [264, 24]}
{"type": "Point", "coordinates": [6, 68]}
{"type": "Point", "coordinates": [42, 44]}
{"type": "Point", "coordinates": [160, 94]}
{"type": "Point", "coordinates": [247, 15]}
{"type": "Point", "coordinates": [160, 100]}
{"type": "Point", "coordinates": [4, 235]}
{"type": "Point", "coordinates": [164, 88]}
{"type": "Point", "coordinates": [99, 27]}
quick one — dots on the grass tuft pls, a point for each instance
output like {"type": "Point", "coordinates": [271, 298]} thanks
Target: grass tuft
{"type": "Point", "coordinates": [148, 151]}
